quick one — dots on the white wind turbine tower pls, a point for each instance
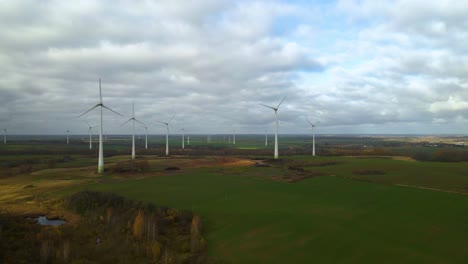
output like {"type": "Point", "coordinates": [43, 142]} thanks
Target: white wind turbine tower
{"type": "Point", "coordinates": [233, 136]}
{"type": "Point", "coordinates": [90, 132]}
{"type": "Point", "coordinates": [183, 138]}
{"type": "Point", "coordinates": [4, 136]}
{"type": "Point", "coordinates": [266, 138]}
{"type": "Point", "coordinates": [167, 134]}
{"type": "Point", "coordinates": [68, 132]}
{"type": "Point", "coordinates": [101, 149]}
{"type": "Point", "coordinates": [276, 126]}
{"type": "Point", "coordinates": [146, 137]}
{"type": "Point", "coordinates": [313, 136]}
{"type": "Point", "coordinates": [133, 127]}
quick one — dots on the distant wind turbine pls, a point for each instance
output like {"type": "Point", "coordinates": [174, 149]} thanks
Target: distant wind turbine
{"type": "Point", "coordinates": [4, 136]}
{"type": "Point", "coordinates": [233, 136]}
{"type": "Point", "coordinates": [167, 134]}
{"type": "Point", "coordinates": [146, 137]}
{"type": "Point", "coordinates": [266, 138]}
{"type": "Point", "coordinates": [68, 132]}
{"type": "Point", "coordinates": [101, 148]}
{"type": "Point", "coordinates": [313, 136]}
{"type": "Point", "coordinates": [133, 127]}
{"type": "Point", "coordinates": [276, 126]}
{"type": "Point", "coordinates": [90, 132]}
{"type": "Point", "coordinates": [183, 139]}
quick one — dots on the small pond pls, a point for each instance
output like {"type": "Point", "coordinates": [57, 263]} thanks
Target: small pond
{"type": "Point", "coordinates": [42, 220]}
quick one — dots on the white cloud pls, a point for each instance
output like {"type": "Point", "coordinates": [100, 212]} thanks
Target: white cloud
{"type": "Point", "coordinates": [366, 64]}
{"type": "Point", "coordinates": [451, 104]}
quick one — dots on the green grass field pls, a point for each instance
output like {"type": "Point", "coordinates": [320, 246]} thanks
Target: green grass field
{"type": "Point", "coordinates": [251, 219]}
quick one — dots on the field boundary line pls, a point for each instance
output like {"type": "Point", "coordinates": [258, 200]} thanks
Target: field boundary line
{"type": "Point", "coordinates": [428, 188]}
{"type": "Point", "coordinates": [402, 185]}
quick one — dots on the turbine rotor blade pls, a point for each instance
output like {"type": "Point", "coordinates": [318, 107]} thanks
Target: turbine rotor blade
{"type": "Point", "coordinates": [162, 122]}
{"type": "Point", "coordinates": [89, 110]}
{"type": "Point", "coordinates": [126, 122]}
{"type": "Point", "coordinates": [281, 102]}
{"type": "Point", "coordinates": [138, 121]}
{"type": "Point", "coordinates": [269, 107]}
{"type": "Point", "coordinates": [171, 119]}
{"type": "Point", "coordinates": [87, 123]}
{"type": "Point", "coordinates": [111, 110]}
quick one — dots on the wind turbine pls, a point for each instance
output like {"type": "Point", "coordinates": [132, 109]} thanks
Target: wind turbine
{"type": "Point", "coordinates": [146, 137]}
{"type": "Point", "coordinates": [183, 139]}
{"type": "Point", "coordinates": [313, 136]}
{"type": "Point", "coordinates": [266, 138]}
{"type": "Point", "coordinates": [4, 136]}
{"type": "Point", "coordinates": [90, 132]}
{"type": "Point", "coordinates": [68, 132]}
{"type": "Point", "coordinates": [101, 148]}
{"type": "Point", "coordinates": [133, 127]}
{"type": "Point", "coordinates": [276, 126]}
{"type": "Point", "coordinates": [167, 134]}
{"type": "Point", "coordinates": [233, 136]}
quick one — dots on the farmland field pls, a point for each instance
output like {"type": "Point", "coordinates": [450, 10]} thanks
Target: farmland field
{"type": "Point", "coordinates": [301, 209]}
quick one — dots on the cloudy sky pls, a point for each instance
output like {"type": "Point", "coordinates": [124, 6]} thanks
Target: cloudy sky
{"type": "Point", "coordinates": [355, 66]}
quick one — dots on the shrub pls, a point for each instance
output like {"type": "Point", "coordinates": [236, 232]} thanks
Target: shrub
{"type": "Point", "coordinates": [172, 168]}
{"type": "Point", "coordinates": [197, 242]}
{"type": "Point", "coordinates": [130, 166]}
{"type": "Point", "coordinates": [442, 155]}
{"type": "Point", "coordinates": [299, 169]}
{"type": "Point", "coordinates": [155, 251]}
{"type": "Point", "coordinates": [87, 200]}
{"type": "Point", "coordinates": [138, 225]}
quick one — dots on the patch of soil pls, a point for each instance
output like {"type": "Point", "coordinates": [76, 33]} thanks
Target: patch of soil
{"type": "Point", "coordinates": [299, 169]}
{"type": "Point", "coordinates": [260, 164]}
{"type": "Point", "coordinates": [403, 158]}
{"type": "Point", "coordinates": [220, 161]}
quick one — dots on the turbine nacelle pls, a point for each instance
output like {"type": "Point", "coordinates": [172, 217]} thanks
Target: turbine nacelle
{"type": "Point", "coordinates": [275, 108]}
{"type": "Point", "coordinates": [90, 127]}
{"type": "Point", "coordinates": [163, 123]}
{"type": "Point", "coordinates": [312, 124]}
{"type": "Point", "coordinates": [168, 122]}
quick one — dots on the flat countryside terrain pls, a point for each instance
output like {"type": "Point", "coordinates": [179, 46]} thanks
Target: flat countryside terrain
{"type": "Point", "coordinates": [301, 209]}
